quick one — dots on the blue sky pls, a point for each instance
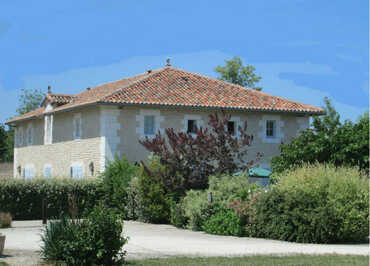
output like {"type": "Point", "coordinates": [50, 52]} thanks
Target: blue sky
{"type": "Point", "coordinates": [304, 50]}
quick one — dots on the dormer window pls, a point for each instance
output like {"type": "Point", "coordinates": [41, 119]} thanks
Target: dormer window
{"type": "Point", "coordinates": [77, 128]}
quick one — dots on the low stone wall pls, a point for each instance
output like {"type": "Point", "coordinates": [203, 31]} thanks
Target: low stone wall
{"type": "Point", "coordinates": [6, 170]}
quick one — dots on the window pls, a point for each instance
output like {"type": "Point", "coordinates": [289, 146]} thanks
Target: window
{"type": "Point", "coordinates": [77, 126]}
{"type": "Point", "coordinates": [76, 171]}
{"type": "Point", "coordinates": [28, 173]}
{"type": "Point", "coordinates": [29, 135]}
{"type": "Point", "coordinates": [231, 127]}
{"type": "Point", "coordinates": [47, 171]}
{"type": "Point", "coordinates": [192, 125]}
{"type": "Point", "coordinates": [149, 125]}
{"type": "Point", "coordinates": [48, 129]}
{"type": "Point", "coordinates": [270, 128]}
{"type": "Point", "coordinates": [19, 136]}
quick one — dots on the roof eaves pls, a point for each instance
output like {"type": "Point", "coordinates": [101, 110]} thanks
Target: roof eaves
{"type": "Point", "coordinates": [240, 108]}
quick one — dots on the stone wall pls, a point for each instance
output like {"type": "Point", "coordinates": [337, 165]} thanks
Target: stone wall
{"type": "Point", "coordinates": [131, 130]}
{"type": "Point", "coordinates": [60, 157]}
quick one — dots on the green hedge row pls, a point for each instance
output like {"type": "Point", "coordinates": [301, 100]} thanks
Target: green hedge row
{"type": "Point", "coordinates": [23, 199]}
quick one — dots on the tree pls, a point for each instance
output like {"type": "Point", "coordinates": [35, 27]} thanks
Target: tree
{"type": "Point", "coordinates": [29, 100]}
{"type": "Point", "coordinates": [236, 73]}
{"type": "Point", "coordinates": [214, 150]}
{"type": "Point", "coordinates": [328, 141]}
{"type": "Point", "coordinates": [3, 143]}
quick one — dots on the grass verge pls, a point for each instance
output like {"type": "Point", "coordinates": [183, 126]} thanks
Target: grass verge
{"type": "Point", "coordinates": [334, 260]}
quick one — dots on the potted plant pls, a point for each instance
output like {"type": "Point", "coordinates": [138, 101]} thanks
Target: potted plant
{"type": "Point", "coordinates": [2, 243]}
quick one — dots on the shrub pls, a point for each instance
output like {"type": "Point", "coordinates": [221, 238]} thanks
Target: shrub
{"type": "Point", "coordinates": [315, 204]}
{"type": "Point", "coordinates": [5, 219]}
{"type": "Point", "coordinates": [132, 203]}
{"type": "Point", "coordinates": [152, 200]}
{"type": "Point", "coordinates": [95, 240]}
{"type": "Point", "coordinates": [177, 217]}
{"type": "Point", "coordinates": [23, 199]}
{"type": "Point", "coordinates": [115, 181]}
{"type": "Point", "coordinates": [224, 222]}
{"type": "Point", "coordinates": [225, 189]}
{"type": "Point", "coordinates": [196, 209]}
{"type": "Point", "coordinates": [213, 151]}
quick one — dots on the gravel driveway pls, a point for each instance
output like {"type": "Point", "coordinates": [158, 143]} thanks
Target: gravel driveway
{"type": "Point", "coordinates": [149, 240]}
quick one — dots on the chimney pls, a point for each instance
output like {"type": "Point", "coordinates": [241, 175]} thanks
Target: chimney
{"type": "Point", "coordinates": [168, 62]}
{"type": "Point", "coordinates": [49, 89]}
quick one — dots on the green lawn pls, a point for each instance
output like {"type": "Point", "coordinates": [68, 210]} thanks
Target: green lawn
{"type": "Point", "coordinates": [3, 264]}
{"type": "Point", "coordinates": [334, 260]}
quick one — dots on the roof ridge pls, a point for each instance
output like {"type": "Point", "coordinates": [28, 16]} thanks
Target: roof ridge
{"type": "Point", "coordinates": [154, 72]}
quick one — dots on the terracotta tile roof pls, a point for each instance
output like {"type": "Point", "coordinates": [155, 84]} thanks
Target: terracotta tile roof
{"type": "Point", "coordinates": [94, 95]}
{"type": "Point", "coordinates": [170, 86]}
{"type": "Point", "coordinates": [33, 114]}
{"type": "Point", "coordinates": [59, 98]}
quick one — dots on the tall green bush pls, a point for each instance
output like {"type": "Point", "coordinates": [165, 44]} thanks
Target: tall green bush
{"type": "Point", "coordinates": [152, 200]}
{"type": "Point", "coordinates": [95, 240]}
{"type": "Point", "coordinates": [315, 204]}
{"type": "Point", "coordinates": [23, 199]}
{"type": "Point", "coordinates": [115, 181]}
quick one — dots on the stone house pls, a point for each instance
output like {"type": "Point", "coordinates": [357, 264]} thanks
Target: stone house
{"type": "Point", "coordinates": [77, 135]}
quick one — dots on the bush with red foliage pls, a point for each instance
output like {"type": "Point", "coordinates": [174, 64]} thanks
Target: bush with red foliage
{"type": "Point", "coordinates": [211, 151]}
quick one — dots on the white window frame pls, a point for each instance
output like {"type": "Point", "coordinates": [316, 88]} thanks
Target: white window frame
{"type": "Point", "coordinates": [75, 165]}
{"type": "Point", "coordinates": [273, 128]}
{"type": "Point", "coordinates": [197, 118]}
{"type": "Point", "coordinates": [29, 172]}
{"type": "Point", "coordinates": [279, 135]}
{"type": "Point", "coordinates": [46, 166]}
{"type": "Point", "coordinates": [157, 122]}
{"type": "Point", "coordinates": [153, 125]}
{"type": "Point", "coordinates": [29, 135]}
{"type": "Point", "coordinates": [48, 136]}
{"type": "Point", "coordinates": [75, 135]}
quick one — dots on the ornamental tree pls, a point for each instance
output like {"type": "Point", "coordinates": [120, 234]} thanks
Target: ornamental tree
{"type": "Point", "coordinates": [210, 151]}
{"type": "Point", "coordinates": [328, 141]}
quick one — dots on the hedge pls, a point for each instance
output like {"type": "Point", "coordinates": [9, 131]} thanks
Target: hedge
{"type": "Point", "coordinates": [23, 199]}
{"type": "Point", "coordinates": [315, 204]}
